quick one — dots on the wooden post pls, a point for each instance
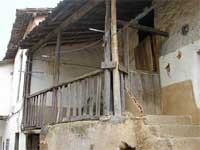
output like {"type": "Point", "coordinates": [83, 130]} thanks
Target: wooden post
{"type": "Point", "coordinates": [107, 59]}
{"type": "Point", "coordinates": [26, 89]}
{"type": "Point", "coordinates": [126, 48]}
{"type": "Point", "coordinates": [114, 47]}
{"type": "Point", "coordinates": [56, 77]}
{"type": "Point", "coordinates": [57, 60]}
{"type": "Point", "coordinates": [124, 76]}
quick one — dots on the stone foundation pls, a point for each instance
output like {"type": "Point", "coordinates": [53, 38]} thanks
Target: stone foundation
{"type": "Point", "coordinates": [89, 135]}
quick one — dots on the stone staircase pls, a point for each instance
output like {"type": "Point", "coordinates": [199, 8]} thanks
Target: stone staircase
{"type": "Point", "coordinates": [157, 132]}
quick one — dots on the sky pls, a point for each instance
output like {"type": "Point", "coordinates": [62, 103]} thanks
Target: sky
{"type": "Point", "coordinates": [7, 17]}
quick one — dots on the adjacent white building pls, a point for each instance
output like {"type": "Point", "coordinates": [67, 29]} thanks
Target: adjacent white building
{"type": "Point", "coordinates": [12, 72]}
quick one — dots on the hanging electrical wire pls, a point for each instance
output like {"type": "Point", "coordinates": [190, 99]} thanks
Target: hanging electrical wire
{"type": "Point", "coordinates": [67, 64]}
{"type": "Point", "coordinates": [67, 51]}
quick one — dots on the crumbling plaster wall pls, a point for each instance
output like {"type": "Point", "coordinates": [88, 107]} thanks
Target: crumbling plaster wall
{"type": "Point", "coordinates": [88, 135]}
{"type": "Point", "coordinates": [179, 60]}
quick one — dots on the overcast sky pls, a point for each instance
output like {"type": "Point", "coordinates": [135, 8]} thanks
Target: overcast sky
{"type": "Point", "coordinates": [7, 16]}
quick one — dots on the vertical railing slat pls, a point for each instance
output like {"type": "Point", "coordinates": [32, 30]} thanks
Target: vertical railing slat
{"type": "Point", "coordinates": [78, 100]}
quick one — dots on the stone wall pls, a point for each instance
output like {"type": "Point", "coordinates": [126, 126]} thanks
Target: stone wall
{"type": "Point", "coordinates": [171, 16]}
{"type": "Point", "coordinates": [88, 135]}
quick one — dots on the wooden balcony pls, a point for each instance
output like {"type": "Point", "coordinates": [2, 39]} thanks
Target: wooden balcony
{"type": "Point", "coordinates": [75, 100]}
{"type": "Point", "coordinates": [79, 99]}
{"type": "Point", "coordinates": [83, 99]}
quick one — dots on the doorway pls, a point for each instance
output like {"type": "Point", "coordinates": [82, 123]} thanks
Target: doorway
{"type": "Point", "coordinates": [33, 142]}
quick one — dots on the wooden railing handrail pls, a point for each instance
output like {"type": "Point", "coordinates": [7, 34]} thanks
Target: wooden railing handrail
{"type": "Point", "coordinates": [144, 72]}
{"type": "Point", "coordinates": [66, 83]}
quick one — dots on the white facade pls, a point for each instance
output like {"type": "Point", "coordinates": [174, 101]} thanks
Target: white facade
{"type": "Point", "coordinates": [6, 77]}
{"type": "Point", "coordinates": [13, 123]}
{"type": "Point", "coordinates": [186, 68]}
{"type": "Point", "coordinates": [11, 99]}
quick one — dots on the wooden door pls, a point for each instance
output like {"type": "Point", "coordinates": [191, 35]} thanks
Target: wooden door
{"type": "Point", "coordinates": [146, 55]}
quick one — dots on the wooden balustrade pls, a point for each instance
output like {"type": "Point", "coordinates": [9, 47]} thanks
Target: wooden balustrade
{"type": "Point", "coordinates": [145, 86]}
{"type": "Point", "coordinates": [77, 99]}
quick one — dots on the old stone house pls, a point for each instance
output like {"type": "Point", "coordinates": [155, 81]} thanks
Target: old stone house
{"type": "Point", "coordinates": [113, 74]}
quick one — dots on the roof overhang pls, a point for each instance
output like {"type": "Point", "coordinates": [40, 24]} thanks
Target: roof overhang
{"type": "Point", "coordinates": [75, 18]}
{"type": "Point", "coordinates": [4, 118]}
{"type": "Point", "coordinates": [23, 18]}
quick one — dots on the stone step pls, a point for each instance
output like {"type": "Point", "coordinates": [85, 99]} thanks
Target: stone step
{"type": "Point", "coordinates": [175, 130]}
{"type": "Point", "coordinates": [165, 119]}
{"type": "Point", "coordinates": [188, 143]}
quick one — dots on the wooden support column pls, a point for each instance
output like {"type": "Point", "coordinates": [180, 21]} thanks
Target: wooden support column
{"type": "Point", "coordinates": [56, 78]}
{"type": "Point", "coordinates": [115, 58]}
{"type": "Point", "coordinates": [124, 76]}
{"type": "Point", "coordinates": [126, 48]}
{"type": "Point", "coordinates": [26, 89]}
{"type": "Point", "coordinates": [107, 59]}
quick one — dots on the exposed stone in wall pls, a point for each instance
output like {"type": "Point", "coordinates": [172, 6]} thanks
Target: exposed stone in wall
{"type": "Point", "coordinates": [89, 135]}
{"type": "Point", "coordinates": [171, 16]}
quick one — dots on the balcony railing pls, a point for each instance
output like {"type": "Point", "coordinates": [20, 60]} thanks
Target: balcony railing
{"type": "Point", "coordinates": [82, 98]}
{"type": "Point", "coordinates": [78, 99]}
{"type": "Point", "coordinates": [145, 86]}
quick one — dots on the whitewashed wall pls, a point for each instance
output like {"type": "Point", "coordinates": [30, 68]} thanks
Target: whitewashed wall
{"type": "Point", "coordinates": [185, 68]}
{"type": "Point", "coordinates": [6, 78]}
{"type": "Point", "coordinates": [73, 64]}
{"type": "Point", "coordinates": [2, 128]}
{"type": "Point", "coordinates": [13, 124]}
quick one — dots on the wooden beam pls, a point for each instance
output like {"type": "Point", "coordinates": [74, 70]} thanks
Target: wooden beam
{"type": "Point", "coordinates": [68, 21]}
{"type": "Point", "coordinates": [56, 78]}
{"type": "Point", "coordinates": [134, 24]}
{"type": "Point", "coordinates": [115, 58]}
{"type": "Point", "coordinates": [143, 14]}
{"type": "Point", "coordinates": [107, 59]}
{"type": "Point", "coordinates": [57, 60]}
{"type": "Point", "coordinates": [125, 68]}
{"type": "Point", "coordinates": [27, 85]}
{"type": "Point", "coordinates": [136, 19]}
{"type": "Point", "coordinates": [149, 29]}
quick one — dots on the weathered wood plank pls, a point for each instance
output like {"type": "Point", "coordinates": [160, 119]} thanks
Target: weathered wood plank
{"type": "Point", "coordinates": [79, 97]}
{"type": "Point", "coordinates": [98, 101]}
{"type": "Point", "coordinates": [86, 97]}
{"type": "Point", "coordinates": [145, 86]}
{"type": "Point", "coordinates": [43, 109]}
{"type": "Point", "coordinates": [107, 59]}
{"type": "Point", "coordinates": [149, 29]}
{"type": "Point", "coordinates": [68, 21]}
{"type": "Point", "coordinates": [96, 72]}
{"type": "Point", "coordinates": [92, 96]}
{"type": "Point", "coordinates": [114, 47]}
{"type": "Point", "coordinates": [122, 88]}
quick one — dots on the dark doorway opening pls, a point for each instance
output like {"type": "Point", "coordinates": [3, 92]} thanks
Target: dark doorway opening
{"type": "Point", "coordinates": [33, 142]}
{"type": "Point", "coordinates": [16, 141]}
{"type": "Point", "coordinates": [146, 53]}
